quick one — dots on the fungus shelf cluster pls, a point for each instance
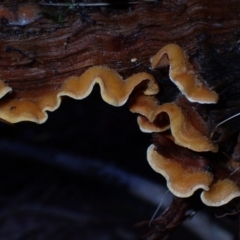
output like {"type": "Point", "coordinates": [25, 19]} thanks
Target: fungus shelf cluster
{"type": "Point", "coordinates": [180, 97]}
{"type": "Point", "coordinates": [140, 89]}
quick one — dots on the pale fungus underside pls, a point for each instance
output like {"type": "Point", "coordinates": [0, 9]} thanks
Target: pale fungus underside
{"type": "Point", "coordinates": [46, 60]}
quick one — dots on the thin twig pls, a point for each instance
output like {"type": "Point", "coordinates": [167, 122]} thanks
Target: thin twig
{"type": "Point", "coordinates": [159, 206]}
{"type": "Point", "coordinates": [234, 171]}
{"type": "Point", "coordinates": [89, 4]}
{"type": "Point", "coordinates": [227, 214]}
{"type": "Point", "coordinates": [224, 121]}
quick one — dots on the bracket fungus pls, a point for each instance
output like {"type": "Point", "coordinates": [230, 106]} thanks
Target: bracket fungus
{"type": "Point", "coordinates": [183, 75]}
{"type": "Point", "coordinates": [180, 181]}
{"type": "Point", "coordinates": [179, 96]}
{"type": "Point", "coordinates": [182, 130]}
{"type": "Point", "coordinates": [114, 90]}
{"type": "Point", "coordinates": [220, 193]}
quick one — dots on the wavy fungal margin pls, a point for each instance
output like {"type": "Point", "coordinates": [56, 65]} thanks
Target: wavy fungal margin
{"type": "Point", "coordinates": [183, 75]}
{"type": "Point", "coordinates": [180, 181]}
{"type": "Point", "coordinates": [4, 89]}
{"type": "Point", "coordinates": [116, 91]}
{"type": "Point", "coordinates": [181, 128]}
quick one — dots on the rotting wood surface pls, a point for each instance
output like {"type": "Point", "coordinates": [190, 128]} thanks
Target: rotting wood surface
{"type": "Point", "coordinates": [37, 57]}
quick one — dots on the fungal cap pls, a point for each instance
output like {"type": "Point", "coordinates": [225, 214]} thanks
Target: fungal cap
{"type": "Point", "coordinates": [152, 120]}
{"type": "Point", "coordinates": [114, 90]}
{"type": "Point", "coordinates": [183, 75]}
{"type": "Point", "coordinates": [181, 182]}
{"type": "Point", "coordinates": [220, 193]}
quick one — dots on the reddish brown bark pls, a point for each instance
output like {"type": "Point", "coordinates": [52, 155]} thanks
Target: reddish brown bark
{"type": "Point", "coordinates": [36, 58]}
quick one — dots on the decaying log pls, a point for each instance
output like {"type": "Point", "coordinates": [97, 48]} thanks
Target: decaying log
{"type": "Point", "coordinates": [43, 48]}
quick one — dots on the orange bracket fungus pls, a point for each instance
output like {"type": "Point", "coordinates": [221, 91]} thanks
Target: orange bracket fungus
{"type": "Point", "coordinates": [221, 193]}
{"type": "Point", "coordinates": [181, 95]}
{"type": "Point", "coordinates": [183, 75]}
{"type": "Point", "coordinates": [182, 130]}
{"type": "Point", "coordinates": [114, 90]}
{"type": "Point", "coordinates": [173, 171]}
{"type": "Point", "coordinates": [154, 117]}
